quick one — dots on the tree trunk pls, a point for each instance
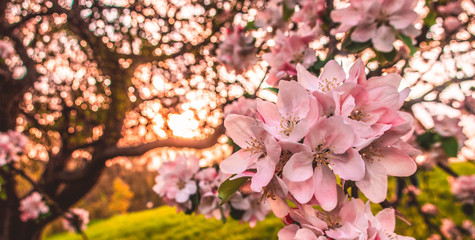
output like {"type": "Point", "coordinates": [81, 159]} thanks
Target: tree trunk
{"type": "Point", "coordinates": [14, 229]}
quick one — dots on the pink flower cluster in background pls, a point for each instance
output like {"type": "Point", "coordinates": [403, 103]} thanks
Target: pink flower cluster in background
{"type": "Point", "coordinates": [463, 188]}
{"type": "Point", "coordinates": [377, 20]}
{"type": "Point", "coordinates": [183, 184]}
{"type": "Point", "coordinates": [74, 219]}
{"type": "Point", "coordinates": [237, 51]}
{"type": "Point", "coordinates": [322, 129]}
{"type": "Point", "coordinates": [32, 206]}
{"type": "Point", "coordinates": [12, 144]}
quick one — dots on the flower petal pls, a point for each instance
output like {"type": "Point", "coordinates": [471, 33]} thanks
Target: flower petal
{"type": "Point", "coordinates": [374, 185]}
{"type": "Point", "coordinates": [299, 167]}
{"type": "Point", "coordinates": [397, 162]}
{"type": "Point", "coordinates": [349, 166]}
{"type": "Point", "coordinates": [302, 191]}
{"type": "Point", "coordinates": [238, 128]}
{"type": "Point", "coordinates": [383, 39]}
{"type": "Point", "coordinates": [238, 162]}
{"type": "Point", "coordinates": [325, 188]}
{"type": "Point", "coordinates": [363, 33]}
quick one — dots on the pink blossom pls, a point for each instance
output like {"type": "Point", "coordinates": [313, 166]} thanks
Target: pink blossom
{"type": "Point", "coordinates": [6, 49]}
{"type": "Point", "coordinates": [452, 24]}
{"type": "Point", "coordinates": [174, 180]}
{"type": "Point", "coordinates": [271, 17]}
{"type": "Point", "coordinates": [12, 144]}
{"type": "Point", "coordinates": [237, 52]}
{"type": "Point", "coordinates": [375, 20]}
{"type": "Point", "coordinates": [463, 188]}
{"type": "Point", "coordinates": [242, 106]}
{"type": "Point", "coordinates": [469, 104]}
{"type": "Point", "coordinates": [449, 127]}
{"type": "Point", "coordinates": [288, 52]}
{"type": "Point", "coordinates": [451, 8]}
{"type": "Point", "coordinates": [382, 225]}
{"type": "Point", "coordinates": [255, 142]}
{"type": "Point", "coordinates": [430, 209]}
{"type": "Point", "coordinates": [329, 143]}
{"type": "Point", "coordinates": [292, 116]}
{"type": "Point", "coordinates": [469, 227]}
{"type": "Point", "coordinates": [385, 156]}
{"type": "Point", "coordinates": [32, 206]}
{"type": "Point", "coordinates": [257, 210]}
{"type": "Point", "coordinates": [311, 12]}
{"type": "Point", "coordinates": [449, 229]}
{"type": "Point", "coordinates": [75, 218]}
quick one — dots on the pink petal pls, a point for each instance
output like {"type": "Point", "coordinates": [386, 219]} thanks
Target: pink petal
{"type": "Point", "coordinates": [357, 73]}
{"type": "Point", "coordinates": [363, 33]}
{"type": "Point", "coordinates": [325, 188]}
{"type": "Point", "coordinates": [387, 219]}
{"type": "Point", "coordinates": [383, 39]}
{"type": "Point", "coordinates": [333, 70]}
{"type": "Point", "coordinates": [305, 234]}
{"type": "Point", "coordinates": [403, 19]}
{"type": "Point", "coordinates": [279, 207]}
{"type": "Point", "coordinates": [306, 79]}
{"type": "Point", "coordinates": [397, 162]}
{"type": "Point", "coordinates": [238, 128]}
{"type": "Point", "coordinates": [333, 132]}
{"type": "Point", "coordinates": [346, 16]}
{"type": "Point", "coordinates": [349, 166]}
{"type": "Point", "coordinates": [293, 99]}
{"type": "Point", "coordinates": [238, 162]}
{"type": "Point", "coordinates": [299, 167]}
{"type": "Point", "coordinates": [374, 185]}
{"type": "Point", "coordinates": [392, 6]}
{"type": "Point", "coordinates": [270, 113]}
{"type": "Point", "coordinates": [288, 232]}
{"type": "Point", "coordinates": [264, 173]}
{"type": "Point", "coordinates": [302, 191]}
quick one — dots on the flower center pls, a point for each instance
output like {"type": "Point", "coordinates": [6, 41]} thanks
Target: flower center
{"type": "Point", "coordinates": [322, 155]}
{"type": "Point", "coordinates": [371, 153]}
{"type": "Point", "coordinates": [358, 114]}
{"type": "Point", "coordinates": [328, 85]}
{"type": "Point", "coordinates": [287, 124]}
{"type": "Point", "coordinates": [254, 146]}
{"type": "Point", "coordinates": [332, 220]}
{"type": "Point", "coordinates": [181, 184]}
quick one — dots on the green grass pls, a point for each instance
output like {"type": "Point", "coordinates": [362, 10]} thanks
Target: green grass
{"type": "Point", "coordinates": [165, 223]}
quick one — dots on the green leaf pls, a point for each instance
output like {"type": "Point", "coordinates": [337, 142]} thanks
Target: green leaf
{"type": "Point", "coordinates": [3, 195]}
{"type": "Point", "coordinates": [408, 41]}
{"type": "Point", "coordinates": [229, 187]}
{"type": "Point", "coordinates": [287, 12]}
{"type": "Point", "coordinates": [450, 146]}
{"type": "Point", "coordinates": [426, 140]}
{"type": "Point", "coordinates": [317, 66]}
{"type": "Point", "coordinates": [430, 19]}
{"type": "Point", "coordinates": [386, 56]}
{"type": "Point", "coordinates": [272, 89]}
{"type": "Point", "coordinates": [355, 47]}
{"type": "Point", "coordinates": [250, 26]}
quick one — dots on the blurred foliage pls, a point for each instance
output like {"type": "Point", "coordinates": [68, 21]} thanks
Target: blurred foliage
{"type": "Point", "coordinates": [120, 200]}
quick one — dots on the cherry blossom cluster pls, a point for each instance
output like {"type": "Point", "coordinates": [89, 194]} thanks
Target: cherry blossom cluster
{"type": "Point", "coordinates": [349, 220]}
{"type": "Point", "coordinates": [378, 21]}
{"type": "Point", "coordinates": [12, 145]}
{"type": "Point", "coordinates": [237, 51]}
{"type": "Point", "coordinates": [32, 206]}
{"type": "Point", "coordinates": [463, 188]}
{"type": "Point", "coordinates": [322, 133]}
{"type": "Point", "coordinates": [183, 184]}
{"type": "Point", "coordinates": [75, 220]}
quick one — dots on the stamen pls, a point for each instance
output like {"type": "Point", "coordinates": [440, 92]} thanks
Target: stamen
{"type": "Point", "coordinates": [371, 153]}
{"type": "Point", "coordinates": [358, 114]}
{"type": "Point", "coordinates": [326, 85]}
{"type": "Point", "coordinates": [322, 155]}
{"type": "Point", "coordinates": [254, 146]}
{"type": "Point", "coordinates": [287, 124]}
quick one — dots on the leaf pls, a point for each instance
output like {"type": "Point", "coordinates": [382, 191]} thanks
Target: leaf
{"type": "Point", "coordinates": [408, 41]}
{"type": "Point", "coordinates": [426, 140]}
{"type": "Point", "coordinates": [229, 187]}
{"type": "Point", "coordinates": [272, 89]}
{"type": "Point", "coordinates": [355, 47]}
{"type": "Point", "coordinates": [450, 146]}
{"type": "Point", "coordinates": [250, 26]}
{"type": "Point", "coordinates": [287, 12]}
{"type": "Point", "coordinates": [386, 56]}
{"type": "Point", "coordinates": [430, 18]}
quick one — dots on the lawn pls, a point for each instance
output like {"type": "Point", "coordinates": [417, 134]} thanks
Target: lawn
{"type": "Point", "coordinates": [165, 223]}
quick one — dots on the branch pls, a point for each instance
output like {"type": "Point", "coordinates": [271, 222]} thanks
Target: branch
{"type": "Point", "coordinates": [109, 153]}
{"type": "Point", "coordinates": [438, 88]}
